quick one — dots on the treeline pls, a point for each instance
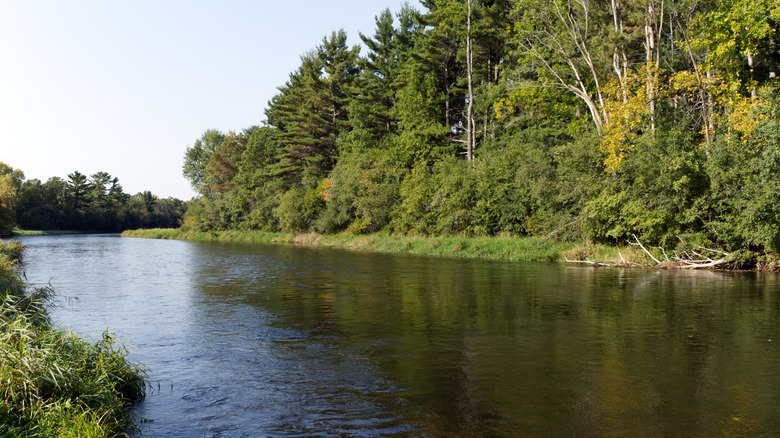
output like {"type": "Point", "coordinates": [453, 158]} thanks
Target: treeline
{"type": "Point", "coordinates": [568, 119]}
{"type": "Point", "coordinates": [81, 203]}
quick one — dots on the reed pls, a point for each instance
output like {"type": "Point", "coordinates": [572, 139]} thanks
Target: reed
{"type": "Point", "coordinates": [11, 249]}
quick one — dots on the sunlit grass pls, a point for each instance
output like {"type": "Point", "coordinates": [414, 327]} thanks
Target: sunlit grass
{"type": "Point", "coordinates": [501, 247]}
{"type": "Point", "coordinates": [11, 249]}
{"type": "Point", "coordinates": [613, 255]}
{"type": "Point", "coordinates": [20, 232]}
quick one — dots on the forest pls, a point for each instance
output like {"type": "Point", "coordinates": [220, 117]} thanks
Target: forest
{"type": "Point", "coordinates": [568, 119]}
{"type": "Point", "coordinates": [95, 203]}
{"type": "Point", "coordinates": [577, 120]}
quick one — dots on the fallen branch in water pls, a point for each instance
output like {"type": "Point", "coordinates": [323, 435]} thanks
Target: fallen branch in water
{"type": "Point", "coordinates": [594, 264]}
{"type": "Point", "coordinates": [698, 258]}
{"type": "Point", "coordinates": [687, 264]}
{"type": "Point", "coordinates": [702, 261]}
{"type": "Point", "coordinates": [639, 244]}
{"type": "Point", "coordinates": [623, 264]}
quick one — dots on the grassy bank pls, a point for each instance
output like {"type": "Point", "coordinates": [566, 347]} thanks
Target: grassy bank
{"type": "Point", "coordinates": [54, 383]}
{"type": "Point", "coordinates": [520, 249]}
{"type": "Point", "coordinates": [498, 248]}
{"type": "Point", "coordinates": [20, 232]}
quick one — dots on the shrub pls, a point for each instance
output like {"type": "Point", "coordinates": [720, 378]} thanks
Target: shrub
{"type": "Point", "coordinates": [299, 208]}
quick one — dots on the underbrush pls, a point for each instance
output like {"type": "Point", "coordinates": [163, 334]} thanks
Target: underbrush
{"type": "Point", "coordinates": [54, 383]}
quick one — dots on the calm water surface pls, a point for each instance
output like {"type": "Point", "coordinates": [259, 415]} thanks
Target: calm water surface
{"type": "Point", "coordinates": [266, 340]}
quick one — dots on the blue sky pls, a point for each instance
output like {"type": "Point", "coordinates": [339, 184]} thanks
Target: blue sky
{"type": "Point", "coordinates": [125, 86]}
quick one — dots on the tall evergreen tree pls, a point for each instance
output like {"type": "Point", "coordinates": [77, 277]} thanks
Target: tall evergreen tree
{"type": "Point", "coordinates": [78, 187]}
{"type": "Point", "coordinates": [371, 108]}
{"type": "Point", "coordinates": [310, 112]}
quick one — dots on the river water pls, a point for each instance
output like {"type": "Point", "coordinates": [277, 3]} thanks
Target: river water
{"type": "Point", "coordinates": [275, 340]}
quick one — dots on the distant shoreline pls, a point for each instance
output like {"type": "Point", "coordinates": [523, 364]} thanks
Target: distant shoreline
{"type": "Point", "coordinates": [18, 232]}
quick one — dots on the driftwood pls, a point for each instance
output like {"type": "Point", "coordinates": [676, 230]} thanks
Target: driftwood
{"type": "Point", "coordinates": [690, 259]}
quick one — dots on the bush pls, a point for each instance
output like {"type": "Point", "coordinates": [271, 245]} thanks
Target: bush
{"type": "Point", "coordinates": [363, 192]}
{"type": "Point", "coordinates": [299, 208]}
{"type": "Point", "coordinates": [653, 194]}
{"type": "Point", "coordinates": [438, 199]}
{"type": "Point", "coordinates": [745, 196]}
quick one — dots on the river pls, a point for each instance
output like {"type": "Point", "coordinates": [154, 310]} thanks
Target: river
{"type": "Point", "coordinates": [274, 340]}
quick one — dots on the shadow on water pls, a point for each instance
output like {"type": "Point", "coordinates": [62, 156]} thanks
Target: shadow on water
{"type": "Point", "coordinates": [287, 341]}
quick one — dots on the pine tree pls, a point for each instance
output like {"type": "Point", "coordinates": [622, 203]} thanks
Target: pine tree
{"type": "Point", "coordinates": [310, 112]}
{"type": "Point", "coordinates": [370, 110]}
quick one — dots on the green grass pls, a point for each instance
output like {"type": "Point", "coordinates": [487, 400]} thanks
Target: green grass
{"type": "Point", "coordinates": [503, 248]}
{"type": "Point", "coordinates": [11, 249]}
{"type": "Point", "coordinates": [20, 232]}
{"type": "Point", "coordinates": [54, 383]}
{"type": "Point", "coordinates": [527, 248]}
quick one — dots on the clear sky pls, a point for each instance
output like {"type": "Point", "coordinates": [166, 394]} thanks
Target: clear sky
{"type": "Point", "coordinates": [125, 86]}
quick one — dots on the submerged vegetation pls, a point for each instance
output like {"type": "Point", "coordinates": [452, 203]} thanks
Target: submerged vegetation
{"type": "Point", "coordinates": [539, 119]}
{"type": "Point", "coordinates": [52, 382]}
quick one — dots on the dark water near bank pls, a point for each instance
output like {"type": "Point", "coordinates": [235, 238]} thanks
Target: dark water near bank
{"type": "Point", "coordinates": [251, 341]}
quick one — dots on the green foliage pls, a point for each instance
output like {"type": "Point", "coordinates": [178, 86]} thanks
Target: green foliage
{"type": "Point", "coordinates": [438, 199]}
{"type": "Point", "coordinates": [593, 121]}
{"type": "Point", "coordinates": [363, 192]}
{"type": "Point", "coordinates": [8, 196]}
{"type": "Point", "coordinates": [745, 197]}
{"type": "Point", "coordinates": [735, 35]}
{"type": "Point", "coordinates": [12, 250]}
{"type": "Point", "coordinates": [196, 160]}
{"type": "Point", "coordinates": [299, 207]}
{"type": "Point", "coordinates": [374, 89]}
{"type": "Point", "coordinates": [311, 111]}
{"type": "Point", "coordinates": [503, 198]}
{"type": "Point", "coordinates": [97, 203]}
{"type": "Point", "coordinates": [420, 114]}
{"type": "Point", "coordinates": [17, 176]}
{"type": "Point", "coordinates": [655, 194]}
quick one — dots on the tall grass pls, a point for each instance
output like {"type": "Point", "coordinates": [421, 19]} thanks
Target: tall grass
{"type": "Point", "coordinates": [501, 247]}
{"type": "Point", "coordinates": [12, 250]}
{"type": "Point", "coordinates": [21, 232]}
{"type": "Point", "coordinates": [54, 383]}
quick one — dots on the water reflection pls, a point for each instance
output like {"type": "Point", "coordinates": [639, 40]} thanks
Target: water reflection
{"type": "Point", "coordinates": [285, 341]}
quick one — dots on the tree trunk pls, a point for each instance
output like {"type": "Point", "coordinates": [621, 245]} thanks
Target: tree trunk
{"type": "Point", "coordinates": [751, 65]}
{"type": "Point", "coordinates": [470, 130]}
{"type": "Point", "coordinates": [619, 58]}
{"type": "Point", "coordinates": [705, 97]}
{"type": "Point", "coordinates": [652, 55]}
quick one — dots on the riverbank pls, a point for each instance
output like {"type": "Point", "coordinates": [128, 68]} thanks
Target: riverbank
{"type": "Point", "coordinates": [54, 383]}
{"type": "Point", "coordinates": [495, 248]}
{"type": "Point", "coordinates": [631, 255]}
{"type": "Point", "coordinates": [20, 232]}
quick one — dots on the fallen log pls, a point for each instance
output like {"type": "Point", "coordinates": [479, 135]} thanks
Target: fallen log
{"type": "Point", "coordinates": [683, 261]}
